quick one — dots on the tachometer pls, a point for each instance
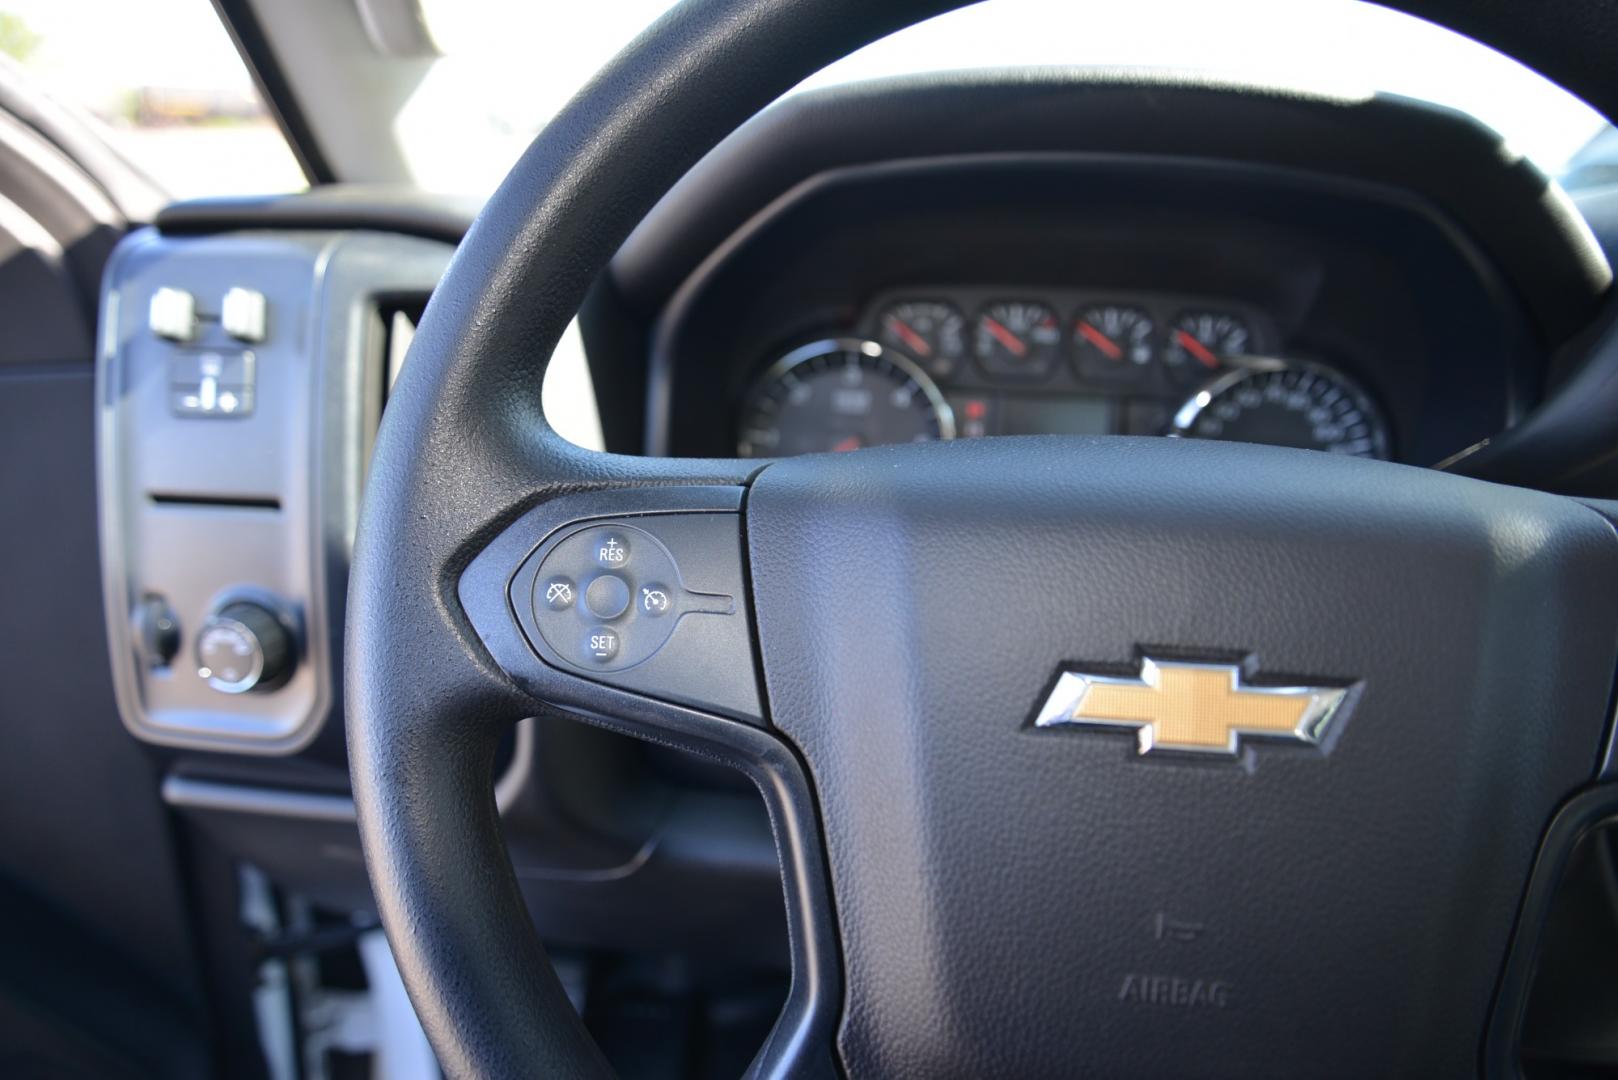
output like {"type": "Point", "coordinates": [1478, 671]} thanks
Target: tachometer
{"type": "Point", "coordinates": [841, 394]}
{"type": "Point", "coordinates": [1287, 403]}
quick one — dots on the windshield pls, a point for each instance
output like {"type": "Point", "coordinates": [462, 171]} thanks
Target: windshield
{"type": "Point", "coordinates": [509, 65]}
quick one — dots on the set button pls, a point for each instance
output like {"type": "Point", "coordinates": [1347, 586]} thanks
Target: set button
{"type": "Point", "coordinates": [601, 644]}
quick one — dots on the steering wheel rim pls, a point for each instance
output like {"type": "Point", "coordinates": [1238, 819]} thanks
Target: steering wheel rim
{"type": "Point", "coordinates": [464, 455]}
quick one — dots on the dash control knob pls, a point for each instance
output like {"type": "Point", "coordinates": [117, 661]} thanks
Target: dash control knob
{"type": "Point", "coordinates": [157, 629]}
{"type": "Point", "coordinates": [243, 647]}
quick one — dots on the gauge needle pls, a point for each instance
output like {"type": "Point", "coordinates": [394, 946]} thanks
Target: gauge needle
{"type": "Point", "coordinates": [1196, 349]}
{"type": "Point", "coordinates": [1101, 341]}
{"type": "Point", "coordinates": [917, 343]}
{"type": "Point", "coordinates": [1014, 345]}
{"type": "Point", "coordinates": [842, 446]}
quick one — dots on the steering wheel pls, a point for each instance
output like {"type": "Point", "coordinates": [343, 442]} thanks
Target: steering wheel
{"type": "Point", "coordinates": [1106, 755]}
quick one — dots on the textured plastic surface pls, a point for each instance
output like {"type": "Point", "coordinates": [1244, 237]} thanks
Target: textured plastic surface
{"type": "Point", "coordinates": [464, 452]}
{"type": "Point", "coordinates": [1063, 899]}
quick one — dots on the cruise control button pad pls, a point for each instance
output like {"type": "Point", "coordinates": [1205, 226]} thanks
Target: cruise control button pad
{"type": "Point", "coordinates": [615, 624]}
{"type": "Point", "coordinates": [650, 601]}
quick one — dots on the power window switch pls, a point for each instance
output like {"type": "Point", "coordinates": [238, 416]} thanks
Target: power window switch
{"type": "Point", "coordinates": [173, 314]}
{"type": "Point", "coordinates": [245, 314]}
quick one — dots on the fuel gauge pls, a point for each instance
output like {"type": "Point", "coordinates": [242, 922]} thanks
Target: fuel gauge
{"type": "Point", "coordinates": [931, 333]}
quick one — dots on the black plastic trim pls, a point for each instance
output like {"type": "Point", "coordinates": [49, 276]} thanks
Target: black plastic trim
{"type": "Point", "coordinates": [663, 367]}
{"type": "Point", "coordinates": [1447, 158]}
{"type": "Point", "coordinates": [801, 1041]}
{"type": "Point", "coordinates": [241, 23]}
{"type": "Point", "coordinates": [1586, 812]}
{"type": "Point", "coordinates": [333, 206]}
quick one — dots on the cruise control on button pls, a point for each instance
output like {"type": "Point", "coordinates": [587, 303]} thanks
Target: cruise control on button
{"type": "Point", "coordinates": [655, 599]}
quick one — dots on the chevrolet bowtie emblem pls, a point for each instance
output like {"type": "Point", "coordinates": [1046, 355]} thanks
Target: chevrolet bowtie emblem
{"type": "Point", "coordinates": [1198, 708]}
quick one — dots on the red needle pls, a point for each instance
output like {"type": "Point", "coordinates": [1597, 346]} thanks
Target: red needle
{"type": "Point", "coordinates": [843, 446]}
{"type": "Point", "coordinates": [917, 343]}
{"type": "Point", "coordinates": [1196, 349]}
{"type": "Point", "coordinates": [1012, 342]}
{"type": "Point", "coordinates": [1101, 341]}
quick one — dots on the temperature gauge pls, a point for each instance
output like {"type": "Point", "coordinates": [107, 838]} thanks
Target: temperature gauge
{"type": "Point", "coordinates": [1113, 341]}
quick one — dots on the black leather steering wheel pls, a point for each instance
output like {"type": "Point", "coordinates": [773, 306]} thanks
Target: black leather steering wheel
{"type": "Point", "coordinates": [917, 653]}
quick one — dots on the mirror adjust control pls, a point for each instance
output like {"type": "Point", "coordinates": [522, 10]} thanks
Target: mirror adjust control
{"type": "Point", "coordinates": [244, 647]}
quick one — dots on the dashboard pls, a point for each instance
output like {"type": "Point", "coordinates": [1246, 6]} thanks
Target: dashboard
{"type": "Point", "coordinates": [967, 257]}
{"type": "Point", "coordinates": [1054, 254]}
{"type": "Point", "coordinates": [943, 363]}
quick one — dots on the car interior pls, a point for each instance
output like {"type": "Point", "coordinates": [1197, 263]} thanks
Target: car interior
{"type": "Point", "coordinates": [554, 540]}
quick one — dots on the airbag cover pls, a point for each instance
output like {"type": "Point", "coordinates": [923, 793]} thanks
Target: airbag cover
{"type": "Point", "coordinates": [1019, 901]}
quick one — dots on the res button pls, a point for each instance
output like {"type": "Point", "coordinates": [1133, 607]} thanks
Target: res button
{"type": "Point", "coordinates": [610, 548]}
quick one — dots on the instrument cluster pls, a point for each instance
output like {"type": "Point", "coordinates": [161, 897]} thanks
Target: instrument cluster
{"type": "Point", "coordinates": [929, 364]}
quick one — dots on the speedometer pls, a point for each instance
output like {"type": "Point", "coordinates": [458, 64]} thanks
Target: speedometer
{"type": "Point", "coordinates": [841, 394]}
{"type": "Point", "coordinates": [1287, 403]}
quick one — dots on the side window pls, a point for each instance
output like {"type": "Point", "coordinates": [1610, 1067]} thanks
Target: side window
{"type": "Point", "coordinates": [160, 81]}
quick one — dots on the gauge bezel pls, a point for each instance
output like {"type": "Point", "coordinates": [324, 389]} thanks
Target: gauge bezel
{"type": "Point", "coordinates": [863, 346]}
{"type": "Point", "coordinates": [1241, 368]}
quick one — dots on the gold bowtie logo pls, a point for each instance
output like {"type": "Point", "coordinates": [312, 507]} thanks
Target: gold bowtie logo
{"type": "Point", "coordinates": [1199, 708]}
